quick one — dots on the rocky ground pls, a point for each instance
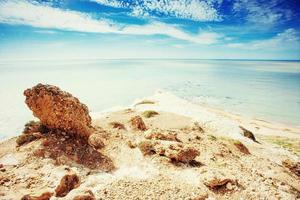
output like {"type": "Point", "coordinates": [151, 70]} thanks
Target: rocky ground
{"type": "Point", "coordinates": [137, 153]}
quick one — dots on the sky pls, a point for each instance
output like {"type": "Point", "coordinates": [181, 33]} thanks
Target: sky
{"type": "Point", "coordinates": [181, 29]}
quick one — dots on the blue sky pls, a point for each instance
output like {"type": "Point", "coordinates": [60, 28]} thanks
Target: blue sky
{"type": "Point", "coordinates": [205, 29]}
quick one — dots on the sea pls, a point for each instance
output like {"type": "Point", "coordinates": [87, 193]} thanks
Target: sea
{"type": "Point", "coordinates": [267, 90]}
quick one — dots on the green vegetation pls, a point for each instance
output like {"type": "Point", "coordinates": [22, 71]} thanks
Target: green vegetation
{"type": "Point", "coordinates": [149, 113]}
{"type": "Point", "coordinates": [212, 138]}
{"type": "Point", "coordinates": [290, 144]}
{"type": "Point", "coordinates": [145, 102]}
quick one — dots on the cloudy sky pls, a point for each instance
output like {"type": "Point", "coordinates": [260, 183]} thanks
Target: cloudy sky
{"type": "Point", "coordinates": [205, 29]}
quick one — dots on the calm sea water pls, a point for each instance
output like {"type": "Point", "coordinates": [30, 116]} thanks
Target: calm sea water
{"type": "Point", "coordinates": [267, 90]}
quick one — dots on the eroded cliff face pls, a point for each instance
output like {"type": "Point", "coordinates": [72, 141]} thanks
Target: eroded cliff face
{"type": "Point", "coordinates": [58, 109]}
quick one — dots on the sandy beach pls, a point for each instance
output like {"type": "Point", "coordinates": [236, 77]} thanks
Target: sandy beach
{"type": "Point", "coordinates": [227, 164]}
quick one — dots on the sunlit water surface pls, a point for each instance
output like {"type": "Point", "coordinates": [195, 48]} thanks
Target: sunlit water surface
{"type": "Point", "coordinates": [268, 90]}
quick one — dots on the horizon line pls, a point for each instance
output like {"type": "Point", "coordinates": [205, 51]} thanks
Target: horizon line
{"type": "Point", "coordinates": [79, 59]}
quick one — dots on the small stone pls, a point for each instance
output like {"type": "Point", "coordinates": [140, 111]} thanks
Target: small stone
{"type": "Point", "coordinates": [229, 186]}
{"type": "Point", "coordinates": [196, 127]}
{"type": "Point", "coordinates": [158, 134]}
{"type": "Point", "coordinates": [67, 183]}
{"type": "Point", "coordinates": [131, 144]}
{"type": "Point", "coordinates": [117, 125]}
{"type": "Point", "coordinates": [248, 134]}
{"type": "Point", "coordinates": [241, 147]}
{"type": "Point", "coordinates": [44, 196]}
{"type": "Point", "coordinates": [95, 140]}
{"type": "Point", "coordinates": [138, 124]}
{"type": "Point", "coordinates": [88, 195]}
{"type": "Point", "coordinates": [220, 185]}
{"type": "Point", "coordinates": [27, 138]}
{"type": "Point", "coordinates": [173, 150]}
{"type": "Point", "coordinates": [183, 154]}
{"type": "Point", "coordinates": [294, 167]}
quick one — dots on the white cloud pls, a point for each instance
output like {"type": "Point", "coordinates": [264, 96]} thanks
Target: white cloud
{"type": "Point", "coordinates": [262, 13]}
{"type": "Point", "coordinates": [112, 3]}
{"type": "Point", "coordinates": [285, 40]}
{"type": "Point", "coordinates": [23, 12]}
{"type": "Point", "coordinates": [50, 32]}
{"type": "Point", "coordinates": [157, 28]}
{"type": "Point", "coordinates": [186, 9]}
{"type": "Point", "coordinates": [43, 16]}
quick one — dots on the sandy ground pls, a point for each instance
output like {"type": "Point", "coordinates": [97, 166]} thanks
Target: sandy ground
{"type": "Point", "coordinates": [239, 175]}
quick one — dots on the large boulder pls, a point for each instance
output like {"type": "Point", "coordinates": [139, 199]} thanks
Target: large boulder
{"type": "Point", "coordinates": [57, 109]}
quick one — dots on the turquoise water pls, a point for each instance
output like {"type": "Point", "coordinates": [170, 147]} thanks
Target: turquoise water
{"type": "Point", "coordinates": [268, 90]}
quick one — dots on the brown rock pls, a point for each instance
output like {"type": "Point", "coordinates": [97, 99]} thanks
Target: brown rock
{"type": "Point", "coordinates": [95, 141]}
{"type": "Point", "coordinates": [182, 154]}
{"type": "Point", "coordinates": [241, 147]}
{"type": "Point", "coordinates": [161, 135]}
{"type": "Point", "coordinates": [138, 124]}
{"type": "Point", "coordinates": [117, 125]}
{"type": "Point", "coordinates": [57, 109]}
{"type": "Point", "coordinates": [196, 127]}
{"type": "Point", "coordinates": [248, 134]}
{"type": "Point", "coordinates": [173, 150]}
{"type": "Point", "coordinates": [202, 197]}
{"type": "Point", "coordinates": [147, 147]}
{"type": "Point", "coordinates": [88, 195]}
{"type": "Point", "coordinates": [67, 183]}
{"type": "Point", "coordinates": [34, 127]}
{"type": "Point", "coordinates": [292, 166]}
{"type": "Point", "coordinates": [220, 185]}
{"type": "Point", "coordinates": [44, 196]}
{"type": "Point", "coordinates": [131, 144]}
{"type": "Point", "coordinates": [28, 137]}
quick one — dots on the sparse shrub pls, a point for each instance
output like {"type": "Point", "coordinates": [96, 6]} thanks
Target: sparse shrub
{"type": "Point", "coordinates": [212, 138]}
{"type": "Point", "coordinates": [149, 113]}
{"type": "Point", "coordinates": [145, 102]}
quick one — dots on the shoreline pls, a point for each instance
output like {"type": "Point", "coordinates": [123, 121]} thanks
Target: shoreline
{"type": "Point", "coordinates": [238, 115]}
{"type": "Point", "coordinates": [290, 130]}
{"type": "Point", "coordinates": [288, 127]}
